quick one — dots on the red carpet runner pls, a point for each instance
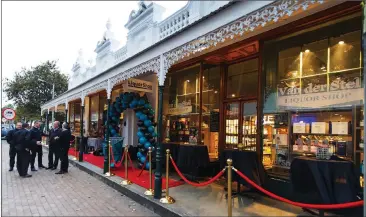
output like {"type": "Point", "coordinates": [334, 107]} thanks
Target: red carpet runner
{"type": "Point", "coordinates": [142, 181]}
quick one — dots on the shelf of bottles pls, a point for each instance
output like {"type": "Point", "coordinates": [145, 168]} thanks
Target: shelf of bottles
{"type": "Point", "coordinates": [183, 129]}
{"type": "Point", "coordinates": [232, 124]}
{"type": "Point", "coordinates": [249, 132]}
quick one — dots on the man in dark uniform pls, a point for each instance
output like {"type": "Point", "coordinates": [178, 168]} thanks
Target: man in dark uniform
{"type": "Point", "coordinates": [65, 139]}
{"type": "Point", "coordinates": [36, 137]}
{"type": "Point", "coordinates": [22, 145]}
{"type": "Point", "coordinates": [12, 151]}
{"type": "Point", "coordinates": [54, 146]}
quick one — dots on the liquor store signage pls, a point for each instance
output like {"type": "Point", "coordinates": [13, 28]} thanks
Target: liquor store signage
{"type": "Point", "coordinates": [139, 85]}
{"type": "Point", "coordinates": [181, 108]}
{"type": "Point", "coordinates": [312, 95]}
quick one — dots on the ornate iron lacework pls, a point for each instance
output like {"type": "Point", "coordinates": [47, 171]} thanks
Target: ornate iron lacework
{"type": "Point", "coordinates": [261, 17]}
{"type": "Point", "coordinates": [100, 86]}
{"type": "Point", "coordinates": [152, 65]}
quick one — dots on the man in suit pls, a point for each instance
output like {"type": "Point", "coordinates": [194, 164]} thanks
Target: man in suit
{"type": "Point", "coordinates": [36, 138]}
{"type": "Point", "coordinates": [22, 145]}
{"type": "Point", "coordinates": [54, 146]}
{"type": "Point", "coordinates": [65, 139]}
{"type": "Point", "coordinates": [10, 139]}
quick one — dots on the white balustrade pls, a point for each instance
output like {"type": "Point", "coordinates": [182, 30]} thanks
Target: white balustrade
{"type": "Point", "coordinates": [174, 23]}
{"type": "Point", "coordinates": [120, 54]}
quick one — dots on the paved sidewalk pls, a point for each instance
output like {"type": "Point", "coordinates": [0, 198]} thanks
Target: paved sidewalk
{"type": "Point", "coordinates": [74, 194]}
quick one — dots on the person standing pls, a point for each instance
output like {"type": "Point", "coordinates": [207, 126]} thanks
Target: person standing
{"type": "Point", "coordinates": [36, 138]}
{"type": "Point", "coordinates": [54, 146]}
{"type": "Point", "coordinates": [22, 146]}
{"type": "Point", "coordinates": [65, 139]}
{"type": "Point", "coordinates": [12, 151]}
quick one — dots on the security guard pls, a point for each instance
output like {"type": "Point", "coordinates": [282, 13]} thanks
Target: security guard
{"type": "Point", "coordinates": [36, 138]}
{"type": "Point", "coordinates": [22, 143]}
{"type": "Point", "coordinates": [10, 139]}
{"type": "Point", "coordinates": [54, 146]}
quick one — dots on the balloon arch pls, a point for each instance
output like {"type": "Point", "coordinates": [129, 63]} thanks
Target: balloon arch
{"type": "Point", "coordinates": [146, 122]}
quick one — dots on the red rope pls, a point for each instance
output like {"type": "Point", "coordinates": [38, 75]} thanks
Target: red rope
{"type": "Point", "coordinates": [197, 184]}
{"type": "Point", "coordinates": [129, 158]}
{"type": "Point", "coordinates": [303, 205]}
{"type": "Point", "coordinates": [116, 164]}
{"type": "Point", "coordinates": [143, 166]}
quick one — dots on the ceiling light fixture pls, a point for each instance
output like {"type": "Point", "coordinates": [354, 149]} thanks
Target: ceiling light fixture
{"type": "Point", "coordinates": [341, 42]}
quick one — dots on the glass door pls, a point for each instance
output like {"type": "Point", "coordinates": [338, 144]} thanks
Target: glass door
{"type": "Point", "coordinates": [232, 124]}
{"type": "Point", "coordinates": [249, 115]}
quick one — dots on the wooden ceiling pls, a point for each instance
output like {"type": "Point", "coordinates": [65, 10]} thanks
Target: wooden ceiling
{"type": "Point", "coordinates": [233, 54]}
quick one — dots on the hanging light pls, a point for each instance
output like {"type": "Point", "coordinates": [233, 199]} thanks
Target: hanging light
{"type": "Point", "coordinates": [341, 42]}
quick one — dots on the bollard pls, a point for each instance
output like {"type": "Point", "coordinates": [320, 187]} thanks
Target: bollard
{"type": "Point", "coordinates": [167, 199]}
{"type": "Point", "coordinates": [109, 159]}
{"type": "Point", "coordinates": [229, 180]}
{"type": "Point", "coordinates": [126, 181]}
{"type": "Point", "coordinates": [150, 191]}
{"type": "Point", "coordinates": [76, 152]}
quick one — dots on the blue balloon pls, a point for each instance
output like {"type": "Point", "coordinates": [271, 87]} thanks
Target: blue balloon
{"type": "Point", "coordinates": [151, 129]}
{"type": "Point", "coordinates": [141, 102]}
{"type": "Point", "coordinates": [147, 145]}
{"type": "Point", "coordinates": [143, 117]}
{"type": "Point", "coordinates": [132, 105]}
{"type": "Point", "coordinates": [154, 134]}
{"type": "Point", "coordinates": [143, 159]}
{"type": "Point", "coordinates": [115, 135]}
{"type": "Point", "coordinates": [147, 166]}
{"type": "Point", "coordinates": [142, 140]}
{"type": "Point", "coordinates": [113, 131]}
{"type": "Point", "coordinates": [147, 123]}
{"type": "Point", "coordinates": [139, 154]}
{"type": "Point", "coordinates": [140, 134]}
{"type": "Point", "coordinates": [147, 105]}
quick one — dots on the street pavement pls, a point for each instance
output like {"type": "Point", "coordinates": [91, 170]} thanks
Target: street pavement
{"type": "Point", "coordinates": [73, 194]}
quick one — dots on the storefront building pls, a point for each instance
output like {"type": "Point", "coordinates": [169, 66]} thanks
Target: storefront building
{"type": "Point", "coordinates": [282, 79]}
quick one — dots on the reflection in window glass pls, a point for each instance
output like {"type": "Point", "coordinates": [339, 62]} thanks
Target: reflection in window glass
{"type": "Point", "coordinates": [242, 79]}
{"type": "Point", "coordinates": [289, 63]}
{"type": "Point", "coordinates": [314, 58]}
{"type": "Point", "coordinates": [94, 114]}
{"type": "Point", "coordinates": [210, 110]}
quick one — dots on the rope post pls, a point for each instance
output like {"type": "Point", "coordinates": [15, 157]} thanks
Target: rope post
{"type": "Point", "coordinates": [150, 191]}
{"type": "Point", "coordinates": [167, 199]}
{"type": "Point", "coordinates": [76, 152]}
{"type": "Point", "coordinates": [126, 181]}
{"type": "Point", "coordinates": [108, 174]}
{"type": "Point", "coordinates": [229, 183]}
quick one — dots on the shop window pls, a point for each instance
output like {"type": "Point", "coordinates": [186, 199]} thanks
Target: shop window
{"type": "Point", "coordinates": [181, 106]}
{"type": "Point", "coordinates": [74, 118]}
{"type": "Point", "coordinates": [211, 109]}
{"type": "Point", "coordinates": [312, 98]}
{"type": "Point", "coordinates": [242, 79]}
{"type": "Point", "coordinates": [94, 115]}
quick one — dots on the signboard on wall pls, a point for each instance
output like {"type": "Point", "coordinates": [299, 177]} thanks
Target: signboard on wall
{"type": "Point", "coordinates": [315, 95]}
{"type": "Point", "coordinates": [139, 85]}
{"type": "Point", "coordinates": [180, 108]}
{"type": "Point", "coordinates": [214, 121]}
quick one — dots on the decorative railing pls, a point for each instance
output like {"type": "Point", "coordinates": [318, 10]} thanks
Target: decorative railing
{"type": "Point", "coordinates": [174, 23]}
{"type": "Point", "coordinates": [120, 54]}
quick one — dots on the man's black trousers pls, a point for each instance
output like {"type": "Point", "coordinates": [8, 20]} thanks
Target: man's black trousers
{"type": "Point", "coordinates": [37, 150]}
{"type": "Point", "coordinates": [53, 151]}
{"type": "Point", "coordinates": [12, 154]}
{"type": "Point", "coordinates": [23, 158]}
{"type": "Point", "coordinates": [64, 159]}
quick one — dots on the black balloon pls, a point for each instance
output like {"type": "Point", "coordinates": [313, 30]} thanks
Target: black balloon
{"type": "Point", "coordinates": [140, 123]}
{"type": "Point", "coordinates": [151, 117]}
{"type": "Point", "coordinates": [152, 140]}
{"type": "Point", "coordinates": [145, 111]}
{"type": "Point", "coordinates": [143, 128]}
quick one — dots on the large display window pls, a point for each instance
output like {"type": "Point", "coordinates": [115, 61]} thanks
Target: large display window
{"type": "Point", "coordinates": [313, 96]}
{"type": "Point", "coordinates": [74, 117]}
{"type": "Point", "coordinates": [96, 110]}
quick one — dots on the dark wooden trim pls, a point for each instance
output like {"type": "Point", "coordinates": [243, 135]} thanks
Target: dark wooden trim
{"type": "Point", "coordinates": [260, 94]}
{"type": "Point", "coordinates": [222, 136]}
{"type": "Point", "coordinates": [200, 76]}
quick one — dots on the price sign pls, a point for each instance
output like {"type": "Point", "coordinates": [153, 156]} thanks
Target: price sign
{"type": "Point", "coordinates": [8, 114]}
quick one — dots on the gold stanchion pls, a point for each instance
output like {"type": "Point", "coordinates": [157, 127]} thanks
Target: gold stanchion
{"type": "Point", "coordinates": [229, 180]}
{"type": "Point", "coordinates": [126, 181]}
{"type": "Point", "coordinates": [167, 199]}
{"type": "Point", "coordinates": [76, 152]}
{"type": "Point", "coordinates": [109, 159]}
{"type": "Point", "coordinates": [150, 191]}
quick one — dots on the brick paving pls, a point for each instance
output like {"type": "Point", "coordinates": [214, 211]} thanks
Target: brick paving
{"type": "Point", "coordinates": [73, 194]}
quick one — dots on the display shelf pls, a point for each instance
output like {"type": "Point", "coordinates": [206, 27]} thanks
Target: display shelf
{"type": "Point", "coordinates": [316, 134]}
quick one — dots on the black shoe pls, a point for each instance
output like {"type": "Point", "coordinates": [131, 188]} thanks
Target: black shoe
{"type": "Point", "coordinates": [40, 167]}
{"type": "Point", "coordinates": [33, 169]}
{"type": "Point", "coordinates": [26, 176]}
{"type": "Point", "coordinates": [53, 168]}
{"type": "Point", "coordinates": [47, 168]}
{"type": "Point", "coordinates": [60, 172]}
{"type": "Point", "coordinates": [11, 169]}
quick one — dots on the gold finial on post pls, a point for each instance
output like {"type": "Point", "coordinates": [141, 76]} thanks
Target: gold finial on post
{"type": "Point", "coordinates": [126, 181]}
{"type": "Point", "coordinates": [150, 191]}
{"type": "Point", "coordinates": [167, 199]}
{"type": "Point", "coordinates": [229, 184]}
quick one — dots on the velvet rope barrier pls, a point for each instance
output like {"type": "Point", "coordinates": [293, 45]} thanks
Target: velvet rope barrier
{"type": "Point", "coordinates": [303, 205]}
{"type": "Point", "coordinates": [197, 184]}
{"type": "Point", "coordinates": [143, 166]}
{"type": "Point", "coordinates": [120, 163]}
{"type": "Point", "coordinates": [129, 158]}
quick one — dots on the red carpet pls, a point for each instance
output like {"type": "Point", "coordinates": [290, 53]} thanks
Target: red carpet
{"type": "Point", "coordinates": [142, 180]}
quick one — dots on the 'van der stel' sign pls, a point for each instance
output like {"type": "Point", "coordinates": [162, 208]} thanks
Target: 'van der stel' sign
{"type": "Point", "coordinates": [317, 95]}
{"type": "Point", "coordinates": [139, 85]}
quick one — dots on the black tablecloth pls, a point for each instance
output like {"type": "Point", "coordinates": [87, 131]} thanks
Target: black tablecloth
{"type": "Point", "coordinates": [193, 156]}
{"type": "Point", "coordinates": [335, 181]}
{"type": "Point", "coordinates": [246, 162]}
{"type": "Point", "coordinates": [174, 150]}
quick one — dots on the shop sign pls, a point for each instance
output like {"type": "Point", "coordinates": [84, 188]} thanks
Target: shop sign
{"type": "Point", "coordinates": [317, 95]}
{"type": "Point", "coordinates": [181, 108]}
{"type": "Point", "coordinates": [139, 85]}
